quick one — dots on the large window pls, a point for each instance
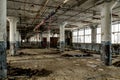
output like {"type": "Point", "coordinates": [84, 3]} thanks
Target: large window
{"type": "Point", "coordinates": [115, 36]}
{"type": "Point", "coordinates": [74, 36]}
{"type": "Point", "coordinates": [98, 35]}
{"type": "Point", "coordinates": [116, 33]}
{"type": "Point", "coordinates": [84, 35]}
{"type": "Point", "coordinates": [87, 35]}
{"type": "Point", "coordinates": [81, 36]}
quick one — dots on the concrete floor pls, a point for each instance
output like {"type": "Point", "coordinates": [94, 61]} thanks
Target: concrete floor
{"type": "Point", "coordinates": [44, 64]}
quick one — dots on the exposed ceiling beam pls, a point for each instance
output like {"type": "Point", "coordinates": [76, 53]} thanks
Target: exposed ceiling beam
{"type": "Point", "coordinates": [85, 10]}
{"type": "Point", "coordinates": [31, 11]}
{"type": "Point", "coordinates": [19, 9]}
{"type": "Point", "coordinates": [49, 6]}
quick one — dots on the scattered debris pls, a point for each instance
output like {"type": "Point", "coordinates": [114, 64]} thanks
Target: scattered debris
{"type": "Point", "coordinates": [28, 72]}
{"type": "Point", "coordinates": [101, 69]}
{"type": "Point", "coordinates": [91, 78]}
{"type": "Point", "coordinates": [99, 77]}
{"type": "Point", "coordinates": [114, 56]}
{"type": "Point", "coordinates": [29, 54]}
{"type": "Point", "coordinates": [77, 64]}
{"type": "Point", "coordinates": [92, 65]}
{"type": "Point", "coordinates": [77, 55]}
{"type": "Point", "coordinates": [67, 55]}
{"type": "Point", "coordinates": [44, 66]}
{"type": "Point", "coordinates": [117, 64]}
{"type": "Point", "coordinates": [25, 54]}
{"type": "Point", "coordinates": [57, 52]}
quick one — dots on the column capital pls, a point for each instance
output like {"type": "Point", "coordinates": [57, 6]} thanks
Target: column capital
{"type": "Point", "coordinates": [106, 4]}
{"type": "Point", "coordinates": [93, 26]}
{"type": "Point", "coordinates": [12, 19]}
{"type": "Point", "coordinates": [64, 23]}
{"type": "Point", "coordinates": [48, 31]}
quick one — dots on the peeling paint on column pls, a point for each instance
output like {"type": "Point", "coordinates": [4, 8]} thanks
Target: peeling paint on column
{"type": "Point", "coordinates": [13, 34]}
{"type": "Point", "coordinates": [62, 46]}
{"type": "Point", "coordinates": [17, 40]}
{"type": "Point", "coordinates": [94, 33]}
{"type": "Point", "coordinates": [3, 44]}
{"type": "Point", "coordinates": [106, 34]}
{"type": "Point", "coordinates": [62, 37]}
{"type": "Point", "coordinates": [12, 48]}
{"type": "Point", "coordinates": [3, 66]}
{"type": "Point", "coordinates": [48, 39]}
{"type": "Point", "coordinates": [40, 37]}
{"type": "Point", "coordinates": [106, 55]}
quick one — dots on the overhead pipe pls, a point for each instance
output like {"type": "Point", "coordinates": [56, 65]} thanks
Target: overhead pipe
{"type": "Point", "coordinates": [43, 21]}
{"type": "Point", "coordinates": [43, 9]}
{"type": "Point", "coordinates": [50, 15]}
{"type": "Point", "coordinates": [54, 12]}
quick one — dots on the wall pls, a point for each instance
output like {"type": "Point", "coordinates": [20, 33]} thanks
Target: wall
{"type": "Point", "coordinates": [115, 48]}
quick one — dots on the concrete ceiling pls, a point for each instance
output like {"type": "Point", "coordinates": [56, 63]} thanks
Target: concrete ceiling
{"type": "Point", "coordinates": [32, 12]}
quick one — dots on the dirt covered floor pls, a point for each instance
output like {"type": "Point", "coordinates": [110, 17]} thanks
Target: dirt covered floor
{"type": "Point", "coordinates": [44, 64]}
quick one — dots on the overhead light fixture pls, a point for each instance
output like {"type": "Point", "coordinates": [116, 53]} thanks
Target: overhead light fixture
{"type": "Point", "coordinates": [65, 1]}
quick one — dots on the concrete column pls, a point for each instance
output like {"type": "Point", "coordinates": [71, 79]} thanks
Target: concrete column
{"type": "Point", "coordinates": [17, 39]}
{"type": "Point", "coordinates": [84, 35]}
{"type": "Point", "coordinates": [106, 55]}
{"type": "Point", "coordinates": [40, 36]}
{"type": "Point", "coordinates": [62, 37]}
{"type": "Point", "coordinates": [3, 36]}
{"type": "Point", "coordinates": [38, 39]}
{"type": "Point", "coordinates": [77, 46]}
{"type": "Point", "coordinates": [94, 34]}
{"type": "Point", "coordinates": [48, 39]}
{"type": "Point", "coordinates": [13, 22]}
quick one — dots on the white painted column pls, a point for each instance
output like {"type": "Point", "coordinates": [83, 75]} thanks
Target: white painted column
{"type": "Point", "coordinates": [17, 39]}
{"type": "Point", "coordinates": [3, 43]}
{"type": "Point", "coordinates": [94, 33]}
{"type": "Point", "coordinates": [106, 54]}
{"type": "Point", "coordinates": [62, 37]}
{"type": "Point", "coordinates": [48, 39]}
{"type": "Point", "coordinates": [40, 36]}
{"type": "Point", "coordinates": [13, 24]}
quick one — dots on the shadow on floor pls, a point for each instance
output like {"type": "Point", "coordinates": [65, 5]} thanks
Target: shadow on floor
{"type": "Point", "coordinates": [25, 54]}
{"type": "Point", "coordinates": [20, 54]}
{"type": "Point", "coordinates": [77, 55]}
{"type": "Point", "coordinates": [117, 64]}
{"type": "Point", "coordinates": [13, 71]}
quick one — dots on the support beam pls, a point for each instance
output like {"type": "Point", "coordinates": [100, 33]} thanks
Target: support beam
{"type": "Point", "coordinates": [40, 36]}
{"type": "Point", "coordinates": [13, 24]}
{"type": "Point", "coordinates": [3, 66]}
{"type": "Point", "coordinates": [17, 39]}
{"type": "Point", "coordinates": [77, 39]}
{"type": "Point", "coordinates": [94, 33]}
{"type": "Point", "coordinates": [49, 6]}
{"type": "Point", "coordinates": [48, 39]}
{"type": "Point", "coordinates": [106, 54]}
{"type": "Point", "coordinates": [62, 37]}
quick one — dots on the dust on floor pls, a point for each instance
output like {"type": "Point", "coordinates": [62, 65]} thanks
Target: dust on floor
{"type": "Point", "coordinates": [44, 64]}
